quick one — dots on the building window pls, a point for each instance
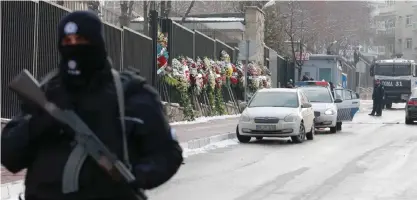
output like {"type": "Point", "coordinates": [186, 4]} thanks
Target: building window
{"type": "Point", "coordinates": [390, 23]}
{"type": "Point", "coordinates": [391, 47]}
{"type": "Point", "coordinates": [409, 43]}
{"type": "Point", "coordinates": [390, 2]}
{"type": "Point", "coordinates": [408, 20]}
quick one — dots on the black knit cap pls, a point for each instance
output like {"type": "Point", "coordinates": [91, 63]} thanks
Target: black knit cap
{"type": "Point", "coordinates": [83, 23]}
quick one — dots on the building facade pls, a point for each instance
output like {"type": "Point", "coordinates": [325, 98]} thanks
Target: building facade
{"type": "Point", "coordinates": [396, 28]}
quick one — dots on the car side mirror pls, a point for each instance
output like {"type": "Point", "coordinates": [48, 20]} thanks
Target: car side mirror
{"type": "Point", "coordinates": [338, 100]}
{"type": "Point", "coordinates": [306, 105]}
{"type": "Point", "coordinates": [242, 106]}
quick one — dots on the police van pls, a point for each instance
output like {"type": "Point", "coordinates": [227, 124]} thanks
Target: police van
{"type": "Point", "coordinates": [398, 76]}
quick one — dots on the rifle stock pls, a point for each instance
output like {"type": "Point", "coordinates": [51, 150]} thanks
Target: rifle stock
{"type": "Point", "coordinates": [27, 87]}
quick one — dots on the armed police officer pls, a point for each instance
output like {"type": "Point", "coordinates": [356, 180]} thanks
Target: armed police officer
{"type": "Point", "coordinates": [378, 96]}
{"type": "Point", "coordinates": [84, 84]}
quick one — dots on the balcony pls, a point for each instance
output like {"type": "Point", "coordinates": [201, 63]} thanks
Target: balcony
{"type": "Point", "coordinates": [386, 10]}
{"type": "Point", "coordinates": [388, 32]}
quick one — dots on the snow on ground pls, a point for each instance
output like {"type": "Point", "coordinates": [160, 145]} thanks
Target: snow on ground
{"type": "Point", "coordinates": [222, 144]}
{"type": "Point", "coordinates": [205, 119]}
{"type": "Point", "coordinates": [12, 191]}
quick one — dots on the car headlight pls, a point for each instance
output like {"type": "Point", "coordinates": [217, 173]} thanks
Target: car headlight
{"type": "Point", "coordinates": [291, 118]}
{"type": "Point", "coordinates": [244, 118]}
{"type": "Point", "coordinates": [329, 112]}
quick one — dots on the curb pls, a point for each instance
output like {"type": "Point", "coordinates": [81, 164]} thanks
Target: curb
{"type": "Point", "coordinates": [202, 142]}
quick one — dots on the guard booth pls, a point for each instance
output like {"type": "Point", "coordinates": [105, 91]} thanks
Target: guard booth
{"type": "Point", "coordinates": [330, 68]}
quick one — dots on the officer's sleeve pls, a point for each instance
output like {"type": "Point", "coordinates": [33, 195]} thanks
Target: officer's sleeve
{"type": "Point", "coordinates": [17, 150]}
{"type": "Point", "coordinates": [160, 155]}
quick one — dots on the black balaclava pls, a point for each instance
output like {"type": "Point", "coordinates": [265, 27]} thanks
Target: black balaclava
{"type": "Point", "coordinates": [82, 62]}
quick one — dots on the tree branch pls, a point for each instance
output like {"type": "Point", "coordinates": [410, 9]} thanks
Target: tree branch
{"type": "Point", "coordinates": [187, 12]}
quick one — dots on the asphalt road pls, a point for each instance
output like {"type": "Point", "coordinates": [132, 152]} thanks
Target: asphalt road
{"type": "Point", "coordinates": [372, 158]}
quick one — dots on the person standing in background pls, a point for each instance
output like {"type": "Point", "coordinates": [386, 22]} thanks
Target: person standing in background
{"type": "Point", "coordinates": [378, 98]}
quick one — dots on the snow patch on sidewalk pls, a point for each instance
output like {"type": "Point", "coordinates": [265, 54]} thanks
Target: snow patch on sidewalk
{"type": "Point", "coordinates": [366, 102]}
{"type": "Point", "coordinates": [222, 144]}
{"type": "Point", "coordinates": [204, 119]}
{"type": "Point", "coordinates": [12, 190]}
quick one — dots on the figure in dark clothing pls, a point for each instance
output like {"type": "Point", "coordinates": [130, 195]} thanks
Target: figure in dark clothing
{"type": "Point", "coordinates": [305, 78]}
{"type": "Point", "coordinates": [378, 98]}
{"type": "Point", "coordinates": [35, 141]}
{"type": "Point", "coordinates": [290, 84]}
{"type": "Point", "coordinates": [331, 87]}
{"type": "Point", "coordinates": [311, 79]}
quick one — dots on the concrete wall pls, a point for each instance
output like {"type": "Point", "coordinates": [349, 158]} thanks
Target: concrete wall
{"type": "Point", "coordinates": [254, 31]}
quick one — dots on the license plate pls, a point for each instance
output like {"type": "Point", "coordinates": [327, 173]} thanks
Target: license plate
{"type": "Point", "coordinates": [265, 127]}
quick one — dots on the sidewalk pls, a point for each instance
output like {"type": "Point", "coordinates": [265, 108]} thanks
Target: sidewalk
{"type": "Point", "coordinates": [187, 132]}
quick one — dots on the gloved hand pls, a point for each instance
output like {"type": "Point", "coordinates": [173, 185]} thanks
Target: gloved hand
{"type": "Point", "coordinates": [40, 121]}
{"type": "Point", "coordinates": [28, 107]}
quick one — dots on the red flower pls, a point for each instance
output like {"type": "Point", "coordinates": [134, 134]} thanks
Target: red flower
{"type": "Point", "coordinates": [234, 80]}
{"type": "Point", "coordinates": [223, 78]}
{"type": "Point", "coordinates": [162, 61]}
{"type": "Point", "coordinates": [205, 79]}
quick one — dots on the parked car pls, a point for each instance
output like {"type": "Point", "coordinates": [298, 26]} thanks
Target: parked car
{"type": "Point", "coordinates": [347, 102]}
{"type": "Point", "coordinates": [325, 108]}
{"type": "Point", "coordinates": [411, 108]}
{"type": "Point", "coordinates": [347, 109]}
{"type": "Point", "coordinates": [277, 112]}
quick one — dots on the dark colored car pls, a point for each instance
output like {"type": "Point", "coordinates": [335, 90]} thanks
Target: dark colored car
{"type": "Point", "coordinates": [411, 108]}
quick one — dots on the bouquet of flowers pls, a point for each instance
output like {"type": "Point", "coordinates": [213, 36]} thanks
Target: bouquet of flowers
{"type": "Point", "coordinates": [162, 52]}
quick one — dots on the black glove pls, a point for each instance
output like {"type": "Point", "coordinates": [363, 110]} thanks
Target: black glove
{"type": "Point", "coordinates": [40, 121]}
{"type": "Point", "coordinates": [30, 108]}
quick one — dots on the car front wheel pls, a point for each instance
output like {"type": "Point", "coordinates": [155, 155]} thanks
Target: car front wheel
{"type": "Point", "coordinates": [338, 126]}
{"type": "Point", "coordinates": [408, 121]}
{"type": "Point", "coordinates": [242, 138]}
{"type": "Point", "coordinates": [310, 135]}
{"type": "Point", "coordinates": [301, 136]}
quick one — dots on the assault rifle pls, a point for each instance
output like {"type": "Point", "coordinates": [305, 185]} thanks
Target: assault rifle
{"type": "Point", "coordinates": [28, 88]}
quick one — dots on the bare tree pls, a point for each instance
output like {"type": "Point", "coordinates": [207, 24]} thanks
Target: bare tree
{"type": "Point", "coordinates": [126, 9]}
{"type": "Point", "coordinates": [145, 17]}
{"type": "Point", "coordinates": [168, 8]}
{"type": "Point", "coordinates": [275, 29]}
{"type": "Point", "coordinates": [295, 32]}
{"type": "Point", "coordinates": [187, 12]}
{"type": "Point", "coordinates": [94, 6]}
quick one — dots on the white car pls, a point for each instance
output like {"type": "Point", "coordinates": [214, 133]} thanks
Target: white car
{"type": "Point", "coordinates": [277, 112]}
{"type": "Point", "coordinates": [325, 108]}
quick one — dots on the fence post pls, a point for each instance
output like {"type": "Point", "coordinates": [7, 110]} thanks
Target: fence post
{"type": "Point", "coordinates": [154, 36]}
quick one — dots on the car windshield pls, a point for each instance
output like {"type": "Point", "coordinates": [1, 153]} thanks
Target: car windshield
{"type": "Point", "coordinates": [274, 99]}
{"type": "Point", "coordinates": [320, 95]}
{"type": "Point", "coordinates": [393, 70]}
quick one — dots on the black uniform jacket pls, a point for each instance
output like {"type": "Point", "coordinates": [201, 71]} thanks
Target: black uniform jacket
{"type": "Point", "coordinates": [154, 153]}
{"type": "Point", "coordinates": [378, 93]}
